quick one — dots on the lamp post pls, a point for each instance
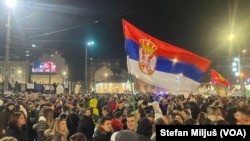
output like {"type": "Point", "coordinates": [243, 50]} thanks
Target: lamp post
{"type": "Point", "coordinates": [50, 65]}
{"type": "Point", "coordinates": [64, 77]}
{"type": "Point", "coordinates": [237, 64]}
{"type": "Point", "coordinates": [10, 4]}
{"type": "Point", "coordinates": [86, 65]}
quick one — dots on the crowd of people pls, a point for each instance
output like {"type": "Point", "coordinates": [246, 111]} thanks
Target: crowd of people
{"type": "Point", "coordinates": [116, 117]}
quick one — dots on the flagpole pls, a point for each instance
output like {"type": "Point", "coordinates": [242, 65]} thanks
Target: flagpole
{"type": "Point", "coordinates": [133, 96]}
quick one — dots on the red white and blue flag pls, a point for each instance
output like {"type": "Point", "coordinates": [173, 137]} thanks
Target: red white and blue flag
{"type": "Point", "coordinates": [161, 64]}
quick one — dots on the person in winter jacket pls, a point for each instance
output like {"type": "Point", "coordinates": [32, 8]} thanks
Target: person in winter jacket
{"type": "Point", "coordinates": [45, 122]}
{"type": "Point", "coordinates": [4, 118]}
{"type": "Point", "coordinates": [17, 127]}
{"type": "Point", "coordinates": [86, 124]}
{"type": "Point", "coordinates": [103, 130]}
{"type": "Point", "coordinates": [117, 124]}
{"type": "Point", "coordinates": [95, 112]}
{"type": "Point", "coordinates": [58, 132]}
{"type": "Point", "coordinates": [144, 129]}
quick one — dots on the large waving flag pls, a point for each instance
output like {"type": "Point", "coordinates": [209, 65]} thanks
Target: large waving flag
{"type": "Point", "coordinates": [217, 78]}
{"type": "Point", "coordinates": [161, 64]}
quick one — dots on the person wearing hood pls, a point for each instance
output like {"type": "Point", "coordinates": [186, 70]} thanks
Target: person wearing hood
{"type": "Point", "coordinates": [4, 118]}
{"type": "Point", "coordinates": [17, 127]}
{"type": "Point", "coordinates": [86, 124]}
{"type": "Point", "coordinates": [157, 109]}
{"type": "Point", "coordinates": [103, 130]}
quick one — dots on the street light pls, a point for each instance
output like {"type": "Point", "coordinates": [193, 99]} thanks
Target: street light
{"type": "Point", "coordinates": [10, 4]}
{"type": "Point", "coordinates": [231, 36]}
{"type": "Point", "coordinates": [86, 65]}
{"type": "Point", "coordinates": [50, 65]}
{"type": "Point", "coordinates": [64, 77]}
{"type": "Point", "coordinates": [237, 63]}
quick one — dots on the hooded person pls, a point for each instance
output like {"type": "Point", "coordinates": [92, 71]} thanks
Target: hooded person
{"type": "Point", "coordinates": [5, 117]}
{"type": "Point", "coordinates": [157, 109]}
{"type": "Point", "coordinates": [93, 105]}
{"type": "Point", "coordinates": [86, 124]}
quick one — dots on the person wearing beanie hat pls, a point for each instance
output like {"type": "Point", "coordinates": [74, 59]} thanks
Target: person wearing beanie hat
{"type": "Point", "coordinates": [117, 121]}
{"type": "Point", "coordinates": [124, 135]}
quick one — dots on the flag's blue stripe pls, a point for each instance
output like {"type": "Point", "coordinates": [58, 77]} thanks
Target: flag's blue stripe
{"type": "Point", "coordinates": [166, 65]}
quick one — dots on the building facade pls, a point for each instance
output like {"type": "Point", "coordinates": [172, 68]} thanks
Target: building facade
{"type": "Point", "coordinates": [23, 71]}
{"type": "Point", "coordinates": [18, 71]}
{"type": "Point", "coordinates": [103, 65]}
{"type": "Point", "coordinates": [59, 74]}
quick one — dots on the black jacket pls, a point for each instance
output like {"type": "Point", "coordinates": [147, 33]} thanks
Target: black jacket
{"type": "Point", "coordinates": [15, 131]}
{"type": "Point", "coordinates": [145, 127]}
{"type": "Point", "coordinates": [86, 126]}
{"type": "Point", "coordinates": [5, 117]}
{"type": "Point", "coordinates": [40, 127]}
{"type": "Point", "coordinates": [101, 135]}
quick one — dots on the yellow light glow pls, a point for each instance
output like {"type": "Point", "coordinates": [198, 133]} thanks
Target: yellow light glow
{"type": "Point", "coordinates": [231, 37]}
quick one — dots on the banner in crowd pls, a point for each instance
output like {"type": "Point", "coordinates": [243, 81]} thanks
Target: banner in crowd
{"type": "Point", "coordinates": [161, 64]}
{"type": "Point", "coordinates": [30, 86]}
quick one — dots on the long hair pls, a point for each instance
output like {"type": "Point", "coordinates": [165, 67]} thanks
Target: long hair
{"type": "Point", "coordinates": [15, 116]}
{"type": "Point", "coordinates": [42, 110]}
{"type": "Point", "coordinates": [56, 129]}
{"type": "Point", "coordinates": [48, 114]}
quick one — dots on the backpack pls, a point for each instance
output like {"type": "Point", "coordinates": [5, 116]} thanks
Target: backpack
{"type": "Point", "coordinates": [40, 127]}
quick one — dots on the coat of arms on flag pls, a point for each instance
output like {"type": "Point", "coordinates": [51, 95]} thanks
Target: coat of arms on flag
{"type": "Point", "coordinates": [147, 59]}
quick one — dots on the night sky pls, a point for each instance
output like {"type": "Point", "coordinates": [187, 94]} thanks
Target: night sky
{"type": "Point", "coordinates": [200, 26]}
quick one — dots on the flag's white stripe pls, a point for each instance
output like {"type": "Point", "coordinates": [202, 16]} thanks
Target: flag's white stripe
{"type": "Point", "coordinates": [163, 80]}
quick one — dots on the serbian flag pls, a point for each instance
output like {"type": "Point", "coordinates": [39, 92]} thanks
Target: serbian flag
{"type": "Point", "coordinates": [161, 64]}
{"type": "Point", "coordinates": [217, 78]}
